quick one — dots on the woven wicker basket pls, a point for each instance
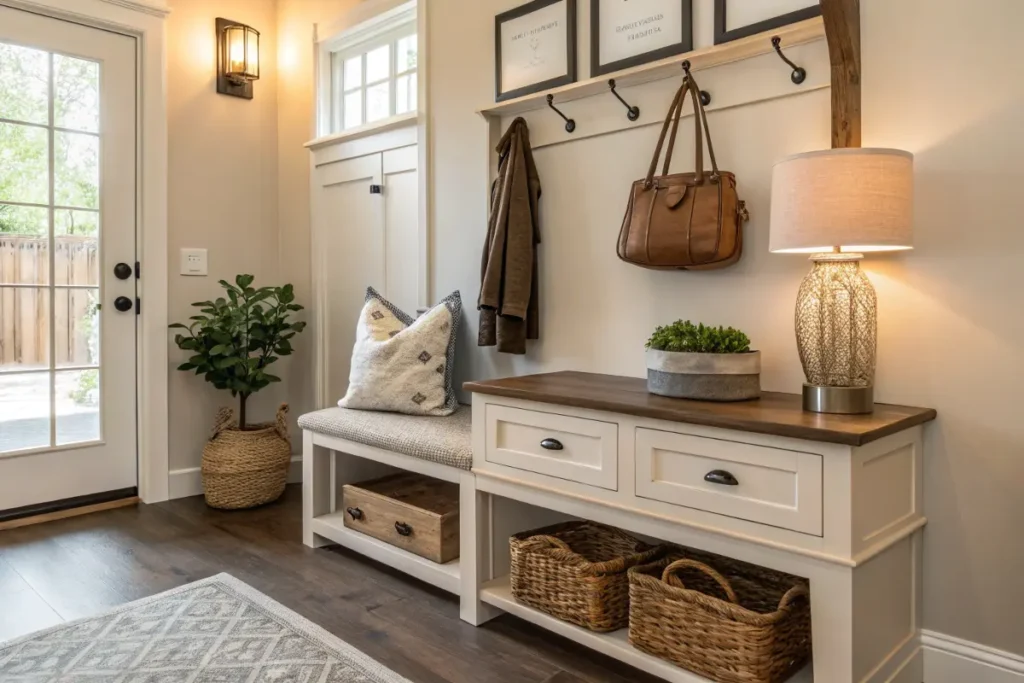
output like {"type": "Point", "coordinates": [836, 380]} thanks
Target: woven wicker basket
{"type": "Point", "coordinates": [576, 572]}
{"type": "Point", "coordinates": [759, 633]}
{"type": "Point", "coordinates": [243, 469]}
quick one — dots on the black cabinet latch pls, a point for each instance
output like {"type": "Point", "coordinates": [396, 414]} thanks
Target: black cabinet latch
{"type": "Point", "coordinates": [376, 189]}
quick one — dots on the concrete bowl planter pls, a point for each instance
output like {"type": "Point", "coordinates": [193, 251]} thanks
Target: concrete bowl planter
{"type": "Point", "coordinates": [704, 376]}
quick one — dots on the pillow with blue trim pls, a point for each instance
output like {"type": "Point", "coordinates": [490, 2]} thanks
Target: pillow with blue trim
{"type": "Point", "coordinates": [403, 364]}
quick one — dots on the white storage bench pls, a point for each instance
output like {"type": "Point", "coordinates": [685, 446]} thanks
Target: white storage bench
{"type": "Point", "coordinates": [342, 446]}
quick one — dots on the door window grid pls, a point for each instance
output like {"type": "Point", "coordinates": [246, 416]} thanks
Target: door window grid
{"type": "Point", "coordinates": [53, 295]}
{"type": "Point", "coordinates": [373, 82]}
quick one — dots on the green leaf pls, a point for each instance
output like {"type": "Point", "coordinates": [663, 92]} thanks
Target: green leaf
{"type": "Point", "coordinates": [243, 281]}
{"type": "Point", "coordinates": [177, 326]}
{"type": "Point", "coordinates": [186, 366]}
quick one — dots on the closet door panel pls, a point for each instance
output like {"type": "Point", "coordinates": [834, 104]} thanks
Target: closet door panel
{"type": "Point", "coordinates": [403, 267]}
{"type": "Point", "coordinates": [350, 222]}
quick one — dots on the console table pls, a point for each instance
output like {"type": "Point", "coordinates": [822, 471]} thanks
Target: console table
{"type": "Point", "coordinates": [836, 499]}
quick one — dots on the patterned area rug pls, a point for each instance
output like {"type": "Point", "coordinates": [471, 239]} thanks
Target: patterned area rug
{"type": "Point", "coordinates": [217, 630]}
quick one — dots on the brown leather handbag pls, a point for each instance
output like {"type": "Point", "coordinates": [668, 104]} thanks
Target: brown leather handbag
{"type": "Point", "coordinates": [684, 221]}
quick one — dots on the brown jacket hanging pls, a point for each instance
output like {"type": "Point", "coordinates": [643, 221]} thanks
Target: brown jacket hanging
{"type": "Point", "coordinates": [508, 281]}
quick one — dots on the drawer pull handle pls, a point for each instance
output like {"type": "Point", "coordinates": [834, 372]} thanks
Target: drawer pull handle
{"type": "Point", "coordinates": [551, 444]}
{"type": "Point", "coordinates": [721, 477]}
{"type": "Point", "coordinates": [356, 513]}
{"type": "Point", "coordinates": [403, 529]}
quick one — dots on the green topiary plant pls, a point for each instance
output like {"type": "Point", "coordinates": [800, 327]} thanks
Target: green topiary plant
{"type": "Point", "coordinates": [234, 340]}
{"type": "Point", "coordinates": [686, 337]}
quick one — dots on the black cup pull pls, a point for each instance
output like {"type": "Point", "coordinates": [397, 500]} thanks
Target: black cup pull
{"type": "Point", "coordinates": [721, 477]}
{"type": "Point", "coordinates": [403, 529]}
{"type": "Point", "coordinates": [551, 444]}
{"type": "Point", "coordinates": [355, 513]}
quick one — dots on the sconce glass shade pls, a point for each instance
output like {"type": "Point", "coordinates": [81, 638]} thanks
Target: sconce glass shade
{"type": "Point", "coordinates": [240, 53]}
{"type": "Point", "coordinates": [836, 323]}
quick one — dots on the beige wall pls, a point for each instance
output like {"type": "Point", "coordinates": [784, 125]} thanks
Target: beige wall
{"type": "Point", "coordinates": [295, 126]}
{"type": "Point", "coordinates": [222, 193]}
{"type": "Point", "coordinates": [941, 79]}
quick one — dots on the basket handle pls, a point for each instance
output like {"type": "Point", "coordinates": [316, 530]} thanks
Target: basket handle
{"type": "Point", "coordinates": [550, 540]}
{"type": "Point", "coordinates": [225, 420]}
{"type": "Point", "coordinates": [795, 593]}
{"type": "Point", "coordinates": [669, 577]}
{"type": "Point", "coordinates": [281, 423]}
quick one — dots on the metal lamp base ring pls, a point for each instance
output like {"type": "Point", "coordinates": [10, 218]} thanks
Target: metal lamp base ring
{"type": "Point", "coordinates": [839, 400]}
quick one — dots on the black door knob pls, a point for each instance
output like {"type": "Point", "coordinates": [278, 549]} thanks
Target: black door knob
{"type": "Point", "coordinates": [122, 271]}
{"type": "Point", "coordinates": [123, 304]}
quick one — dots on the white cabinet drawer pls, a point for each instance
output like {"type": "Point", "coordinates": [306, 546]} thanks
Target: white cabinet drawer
{"type": "Point", "coordinates": [576, 449]}
{"type": "Point", "coordinates": [771, 486]}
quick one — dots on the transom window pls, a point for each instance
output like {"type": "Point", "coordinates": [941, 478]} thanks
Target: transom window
{"type": "Point", "coordinates": [375, 80]}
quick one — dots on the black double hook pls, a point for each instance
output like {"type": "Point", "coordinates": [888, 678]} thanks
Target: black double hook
{"type": "Point", "coordinates": [570, 124]}
{"type": "Point", "coordinates": [632, 113]}
{"type": "Point", "coordinates": [799, 74]}
{"type": "Point", "coordinates": [705, 96]}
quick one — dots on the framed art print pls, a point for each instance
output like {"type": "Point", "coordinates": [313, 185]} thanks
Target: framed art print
{"type": "Point", "coordinates": [741, 18]}
{"type": "Point", "coordinates": [626, 33]}
{"type": "Point", "coordinates": [534, 48]}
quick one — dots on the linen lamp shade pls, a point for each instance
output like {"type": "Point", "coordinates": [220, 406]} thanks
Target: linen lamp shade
{"type": "Point", "coordinates": [859, 199]}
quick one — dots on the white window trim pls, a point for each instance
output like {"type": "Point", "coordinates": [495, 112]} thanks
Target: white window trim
{"type": "Point", "coordinates": [143, 20]}
{"type": "Point", "coordinates": [344, 37]}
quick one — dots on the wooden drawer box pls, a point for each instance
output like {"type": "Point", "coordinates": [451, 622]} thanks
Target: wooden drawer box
{"type": "Point", "coordinates": [772, 486]}
{"type": "Point", "coordinates": [409, 511]}
{"type": "Point", "coordinates": [559, 446]}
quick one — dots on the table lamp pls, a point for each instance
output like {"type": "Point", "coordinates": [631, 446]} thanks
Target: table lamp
{"type": "Point", "coordinates": [836, 205]}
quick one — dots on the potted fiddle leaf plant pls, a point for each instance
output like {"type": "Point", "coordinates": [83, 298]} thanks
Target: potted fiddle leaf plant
{"type": "Point", "coordinates": [234, 340]}
{"type": "Point", "coordinates": [703, 363]}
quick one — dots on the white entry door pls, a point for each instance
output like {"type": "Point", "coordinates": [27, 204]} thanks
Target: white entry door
{"type": "Point", "coordinates": [67, 219]}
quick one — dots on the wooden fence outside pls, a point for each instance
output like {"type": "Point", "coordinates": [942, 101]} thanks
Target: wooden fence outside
{"type": "Point", "coordinates": [24, 311]}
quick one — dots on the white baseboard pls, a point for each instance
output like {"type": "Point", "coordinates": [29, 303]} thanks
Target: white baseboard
{"type": "Point", "coordinates": [189, 481]}
{"type": "Point", "coordinates": [952, 660]}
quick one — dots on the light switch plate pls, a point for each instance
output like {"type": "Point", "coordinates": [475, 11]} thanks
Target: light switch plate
{"type": "Point", "coordinates": [193, 262]}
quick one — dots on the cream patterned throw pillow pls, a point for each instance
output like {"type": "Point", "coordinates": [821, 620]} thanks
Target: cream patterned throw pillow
{"type": "Point", "coordinates": [401, 364]}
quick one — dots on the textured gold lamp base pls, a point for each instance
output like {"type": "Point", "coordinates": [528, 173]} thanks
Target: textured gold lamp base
{"type": "Point", "coordinates": [839, 400]}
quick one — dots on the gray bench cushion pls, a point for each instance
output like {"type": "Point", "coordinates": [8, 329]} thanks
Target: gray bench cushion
{"type": "Point", "coordinates": [445, 440]}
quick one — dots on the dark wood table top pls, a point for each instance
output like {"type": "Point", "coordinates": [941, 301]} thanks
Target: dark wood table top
{"type": "Point", "coordinates": [774, 413]}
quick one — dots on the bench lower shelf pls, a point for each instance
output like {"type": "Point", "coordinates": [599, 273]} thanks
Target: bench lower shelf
{"type": "Point", "coordinates": [444, 576]}
{"type": "Point", "coordinates": [616, 644]}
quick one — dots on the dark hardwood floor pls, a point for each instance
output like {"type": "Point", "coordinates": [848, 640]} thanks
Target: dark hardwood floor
{"type": "Point", "coordinates": [80, 566]}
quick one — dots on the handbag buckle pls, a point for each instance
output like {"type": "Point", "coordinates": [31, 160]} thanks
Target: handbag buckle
{"type": "Point", "coordinates": [741, 211]}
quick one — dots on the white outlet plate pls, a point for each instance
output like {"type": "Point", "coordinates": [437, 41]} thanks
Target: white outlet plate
{"type": "Point", "coordinates": [193, 262]}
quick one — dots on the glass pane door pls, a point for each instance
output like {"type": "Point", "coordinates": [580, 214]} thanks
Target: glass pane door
{"type": "Point", "coordinates": [50, 222]}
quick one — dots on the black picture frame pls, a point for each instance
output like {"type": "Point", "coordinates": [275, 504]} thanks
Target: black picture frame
{"type": "Point", "coordinates": [570, 42]}
{"type": "Point", "coordinates": [598, 69]}
{"type": "Point", "coordinates": [724, 36]}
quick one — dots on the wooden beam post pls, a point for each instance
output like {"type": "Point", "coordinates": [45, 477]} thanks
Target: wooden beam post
{"type": "Point", "coordinates": [842, 29]}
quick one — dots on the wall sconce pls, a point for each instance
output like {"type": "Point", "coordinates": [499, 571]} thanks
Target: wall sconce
{"type": "Point", "coordinates": [238, 58]}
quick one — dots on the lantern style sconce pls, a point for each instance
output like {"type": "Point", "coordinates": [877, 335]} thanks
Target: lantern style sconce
{"type": "Point", "coordinates": [238, 58]}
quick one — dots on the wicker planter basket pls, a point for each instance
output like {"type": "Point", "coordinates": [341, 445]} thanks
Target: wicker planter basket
{"type": "Point", "coordinates": [576, 572]}
{"type": "Point", "coordinates": [243, 469]}
{"type": "Point", "coordinates": [758, 631]}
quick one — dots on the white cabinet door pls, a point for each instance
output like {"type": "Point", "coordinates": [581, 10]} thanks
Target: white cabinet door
{"type": "Point", "coordinates": [366, 234]}
{"type": "Point", "coordinates": [401, 228]}
{"type": "Point", "coordinates": [350, 250]}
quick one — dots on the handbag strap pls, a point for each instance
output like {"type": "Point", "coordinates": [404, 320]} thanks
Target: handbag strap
{"type": "Point", "coordinates": [674, 112]}
{"type": "Point", "coordinates": [701, 130]}
{"type": "Point", "coordinates": [700, 122]}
